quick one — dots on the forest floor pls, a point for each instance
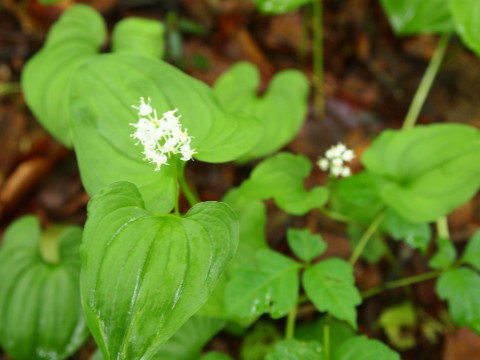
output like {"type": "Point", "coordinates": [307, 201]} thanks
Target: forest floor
{"type": "Point", "coordinates": [370, 78]}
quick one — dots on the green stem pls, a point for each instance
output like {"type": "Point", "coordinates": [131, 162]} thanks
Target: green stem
{"type": "Point", "coordinates": [326, 337]}
{"type": "Point", "coordinates": [401, 282]}
{"type": "Point", "coordinates": [362, 243]}
{"type": "Point", "coordinates": [187, 192]}
{"type": "Point", "coordinates": [318, 57]}
{"type": "Point", "coordinates": [426, 83]}
{"type": "Point", "coordinates": [336, 216]}
{"type": "Point", "coordinates": [290, 328]}
{"type": "Point", "coordinates": [442, 228]}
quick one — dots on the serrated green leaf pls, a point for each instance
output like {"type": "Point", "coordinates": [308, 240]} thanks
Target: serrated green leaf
{"type": "Point", "coordinates": [465, 14]}
{"type": "Point", "coordinates": [471, 255]}
{"type": "Point", "coordinates": [362, 348]}
{"type": "Point", "coordinates": [445, 256]}
{"type": "Point", "coordinates": [276, 7]}
{"type": "Point", "coordinates": [281, 177]}
{"type": "Point", "coordinates": [105, 90]}
{"type": "Point", "coordinates": [139, 36]}
{"type": "Point", "coordinates": [143, 275]}
{"type": "Point", "coordinates": [40, 312]}
{"type": "Point", "coordinates": [460, 288]}
{"type": "Point", "coordinates": [268, 285]}
{"type": "Point", "coordinates": [281, 110]}
{"type": "Point", "coordinates": [293, 349]}
{"type": "Point", "coordinates": [46, 78]}
{"type": "Point", "coordinates": [305, 245]}
{"type": "Point", "coordinates": [329, 284]}
{"type": "Point", "coordinates": [419, 16]}
{"type": "Point", "coordinates": [416, 235]}
{"type": "Point", "coordinates": [427, 171]}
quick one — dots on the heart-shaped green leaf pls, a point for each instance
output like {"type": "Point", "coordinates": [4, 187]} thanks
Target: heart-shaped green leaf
{"type": "Point", "coordinates": [281, 178]}
{"type": "Point", "coordinates": [46, 78]}
{"type": "Point", "coordinates": [427, 171]}
{"type": "Point", "coordinates": [281, 110]}
{"type": "Point", "coordinates": [139, 36]}
{"type": "Point", "coordinates": [104, 91]}
{"type": "Point", "coordinates": [40, 313]}
{"type": "Point", "coordinates": [330, 286]}
{"type": "Point", "coordinates": [466, 14]}
{"type": "Point", "coordinates": [419, 16]}
{"type": "Point", "coordinates": [144, 275]}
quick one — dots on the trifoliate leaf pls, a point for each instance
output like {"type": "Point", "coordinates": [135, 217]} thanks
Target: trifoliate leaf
{"type": "Point", "coordinates": [362, 348]}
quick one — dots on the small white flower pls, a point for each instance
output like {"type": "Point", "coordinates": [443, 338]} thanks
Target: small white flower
{"type": "Point", "coordinates": [162, 137]}
{"type": "Point", "coordinates": [335, 159]}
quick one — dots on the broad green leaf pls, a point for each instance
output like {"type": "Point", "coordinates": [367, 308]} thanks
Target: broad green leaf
{"type": "Point", "coordinates": [339, 331]}
{"type": "Point", "coordinates": [305, 245]}
{"type": "Point", "coordinates": [362, 348]}
{"type": "Point", "coordinates": [281, 110]}
{"type": "Point", "coordinates": [465, 14]}
{"type": "Point", "coordinates": [40, 312]}
{"type": "Point", "coordinates": [252, 219]}
{"type": "Point", "coordinates": [427, 171]}
{"type": "Point", "coordinates": [275, 7]}
{"type": "Point", "coordinates": [143, 275]}
{"type": "Point", "coordinates": [46, 78]}
{"type": "Point", "coordinates": [104, 91]}
{"type": "Point", "coordinates": [358, 197]}
{"type": "Point", "coordinates": [281, 178]}
{"type": "Point", "coordinates": [329, 284]}
{"type": "Point", "coordinates": [419, 16]}
{"type": "Point", "coordinates": [374, 250]}
{"type": "Point", "coordinates": [215, 355]}
{"type": "Point", "coordinates": [268, 285]}
{"type": "Point", "coordinates": [399, 323]}
{"type": "Point", "coordinates": [293, 349]}
{"type": "Point", "coordinates": [258, 342]}
{"type": "Point", "coordinates": [416, 235]}
{"type": "Point", "coordinates": [460, 288]}
{"type": "Point", "coordinates": [471, 255]}
{"type": "Point", "coordinates": [139, 36]}
{"type": "Point", "coordinates": [445, 256]}
{"type": "Point", "coordinates": [188, 341]}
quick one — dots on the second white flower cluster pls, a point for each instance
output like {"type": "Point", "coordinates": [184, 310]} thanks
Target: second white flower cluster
{"type": "Point", "coordinates": [162, 137]}
{"type": "Point", "coordinates": [335, 159]}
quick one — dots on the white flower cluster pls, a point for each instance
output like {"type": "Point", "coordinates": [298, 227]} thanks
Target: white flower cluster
{"type": "Point", "coordinates": [334, 160]}
{"type": "Point", "coordinates": [161, 137]}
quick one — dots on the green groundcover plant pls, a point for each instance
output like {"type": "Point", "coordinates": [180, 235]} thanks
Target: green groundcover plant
{"type": "Point", "coordinates": [148, 282]}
